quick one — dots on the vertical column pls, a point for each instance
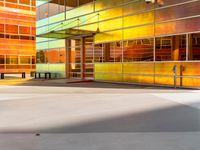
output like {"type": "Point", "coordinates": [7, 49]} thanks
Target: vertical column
{"type": "Point", "coordinates": [82, 58]}
{"type": "Point", "coordinates": [65, 10]}
{"type": "Point", "coordinates": [190, 50]}
{"type": "Point", "coordinates": [67, 58]}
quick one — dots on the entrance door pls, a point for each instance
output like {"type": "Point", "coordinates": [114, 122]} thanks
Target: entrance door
{"type": "Point", "coordinates": [89, 58]}
{"type": "Point", "coordinates": [81, 64]}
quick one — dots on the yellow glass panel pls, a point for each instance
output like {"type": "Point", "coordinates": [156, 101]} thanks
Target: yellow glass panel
{"type": "Point", "coordinates": [138, 68]}
{"type": "Point", "coordinates": [108, 36]}
{"type": "Point", "coordinates": [140, 19]}
{"type": "Point", "coordinates": [110, 13]}
{"type": "Point", "coordinates": [102, 4]}
{"type": "Point", "coordinates": [139, 32]}
{"type": "Point", "coordinates": [110, 25]}
{"type": "Point", "coordinates": [135, 7]}
{"type": "Point", "coordinates": [108, 68]}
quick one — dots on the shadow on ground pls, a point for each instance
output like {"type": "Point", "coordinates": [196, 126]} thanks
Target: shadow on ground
{"type": "Point", "coordinates": [180, 118]}
{"type": "Point", "coordinates": [86, 84]}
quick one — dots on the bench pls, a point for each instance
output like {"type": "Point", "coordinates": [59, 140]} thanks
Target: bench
{"type": "Point", "coordinates": [47, 74]}
{"type": "Point", "coordinates": [3, 74]}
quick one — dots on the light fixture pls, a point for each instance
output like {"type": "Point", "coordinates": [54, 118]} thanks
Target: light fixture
{"type": "Point", "coordinates": [159, 2]}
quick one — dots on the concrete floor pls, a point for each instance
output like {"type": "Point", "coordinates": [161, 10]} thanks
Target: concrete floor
{"type": "Point", "coordinates": [97, 116]}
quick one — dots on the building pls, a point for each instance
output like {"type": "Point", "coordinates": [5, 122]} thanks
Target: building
{"type": "Point", "coordinates": [17, 36]}
{"type": "Point", "coordinates": [121, 40]}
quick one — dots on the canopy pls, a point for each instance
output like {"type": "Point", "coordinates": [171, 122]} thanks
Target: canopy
{"type": "Point", "coordinates": [66, 33]}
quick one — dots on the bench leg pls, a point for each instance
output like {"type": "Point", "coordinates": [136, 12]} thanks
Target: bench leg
{"type": "Point", "coordinates": [23, 75]}
{"type": "Point", "coordinates": [35, 75]}
{"type": "Point", "coordinates": [2, 75]}
{"type": "Point", "coordinates": [39, 75]}
{"type": "Point", "coordinates": [45, 75]}
{"type": "Point", "coordinates": [49, 75]}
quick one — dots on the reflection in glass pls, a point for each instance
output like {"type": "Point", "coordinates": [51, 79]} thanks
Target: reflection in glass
{"type": "Point", "coordinates": [2, 60]}
{"type": "Point", "coordinates": [25, 59]}
{"type": "Point", "coordinates": [138, 50]}
{"type": "Point", "coordinates": [62, 55]}
{"type": "Point", "coordinates": [88, 43]}
{"type": "Point", "coordinates": [11, 59]}
{"type": "Point", "coordinates": [42, 56]}
{"type": "Point", "coordinates": [171, 48]}
{"type": "Point", "coordinates": [112, 52]}
{"type": "Point", "coordinates": [98, 53]}
{"type": "Point", "coordinates": [194, 46]}
{"type": "Point", "coordinates": [53, 55]}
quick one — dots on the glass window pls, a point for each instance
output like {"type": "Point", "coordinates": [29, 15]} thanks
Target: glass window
{"type": "Point", "coordinates": [75, 55]}
{"type": "Point", "coordinates": [98, 53]}
{"type": "Point", "coordinates": [11, 1]}
{"type": "Point", "coordinates": [11, 59]}
{"type": "Point", "coordinates": [71, 4]}
{"type": "Point", "coordinates": [62, 55]}
{"type": "Point", "coordinates": [26, 37]}
{"type": "Point", "coordinates": [33, 2]}
{"type": "Point", "coordinates": [11, 28]}
{"type": "Point", "coordinates": [54, 8]}
{"type": "Point", "coordinates": [43, 11]}
{"type": "Point", "coordinates": [112, 52]}
{"type": "Point", "coordinates": [88, 50]}
{"type": "Point", "coordinates": [25, 59]}
{"type": "Point", "coordinates": [24, 30]}
{"type": "Point", "coordinates": [26, 2]}
{"type": "Point", "coordinates": [53, 55]}
{"type": "Point", "coordinates": [37, 13]}
{"type": "Point", "coordinates": [81, 2]}
{"type": "Point", "coordinates": [75, 43]}
{"type": "Point", "coordinates": [33, 60]}
{"type": "Point", "coordinates": [138, 50]}
{"type": "Point", "coordinates": [194, 46]}
{"type": "Point", "coordinates": [1, 35]}
{"type": "Point", "coordinates": [171, 48]}
{"type": "Point", "coordinates": [1, 27]}
{"type": "Point", "coordinates": [2, 61]}
{"type": "Point", "coordinates": [42, 56]}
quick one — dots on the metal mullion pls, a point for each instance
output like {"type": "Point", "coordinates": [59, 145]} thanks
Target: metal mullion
{"type": "Point", "coordinates": [187, 47]}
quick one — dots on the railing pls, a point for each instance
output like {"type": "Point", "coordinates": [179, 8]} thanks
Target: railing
{"type": "Point", "coordinates": [174, 76]}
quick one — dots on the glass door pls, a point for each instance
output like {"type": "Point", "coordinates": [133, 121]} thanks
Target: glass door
{"type": "Point", "coordinates": [81, 58]}
{"type": "Point", "coordinates": [89, 58]}
{"type": "Point", "coordinates": [75, 48]}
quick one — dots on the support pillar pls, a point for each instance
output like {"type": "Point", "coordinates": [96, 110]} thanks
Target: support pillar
{"type": "Point", "coordinates": [67, 58]}
{"type": "Point", "coordinates": [83, 58]}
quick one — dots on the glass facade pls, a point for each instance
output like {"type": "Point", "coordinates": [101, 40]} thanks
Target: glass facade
{"type": "Point", "coordinates": [17, 35]}
{"type": "Point", "coordinates": [123, 40]}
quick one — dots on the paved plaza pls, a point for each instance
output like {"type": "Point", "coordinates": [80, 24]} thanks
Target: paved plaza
{"type": "Point", "coordinates": [97, 116]}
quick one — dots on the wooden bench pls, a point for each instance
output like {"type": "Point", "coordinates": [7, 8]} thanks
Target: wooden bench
{"type": "Point", "coordinates": [47, 74]}
{"type": "Point", "coordinates": [3, 74]}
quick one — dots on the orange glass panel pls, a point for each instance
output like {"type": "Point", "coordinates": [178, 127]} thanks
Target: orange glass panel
{"type": "Point", "coordinates": [11, 1]}
{"type": "Point", "coordinates": [62, 55]}
{"type": "Point", "coordinates": [27, 2]}
{"type": "Point", "coordinates": [1, 27]}
{"type": "Point", "coordinates": [24, 30]}
{"type": "Point", "coordinates": [53, 56]}
{"type": "Point", "coordinates": [11, 28]}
